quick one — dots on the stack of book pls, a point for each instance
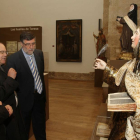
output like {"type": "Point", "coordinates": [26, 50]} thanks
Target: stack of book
{"type": "Point", "coordinates": [103, 130]}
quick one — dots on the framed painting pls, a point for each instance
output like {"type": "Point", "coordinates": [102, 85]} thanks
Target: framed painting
{"type": "Point", "coordinates": [69, 40]}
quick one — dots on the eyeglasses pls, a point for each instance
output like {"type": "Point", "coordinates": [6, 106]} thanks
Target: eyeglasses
{"type": "Point", "coordinates": [2, 52]}
{"type": "Point", "coordinates": [30, 44]}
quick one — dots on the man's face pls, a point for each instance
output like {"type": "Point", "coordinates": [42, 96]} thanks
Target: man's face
{"type": "Point", "coordinates": [135, 38]}
{"type": "Point", "coordinates": [29, 46]}
{"type": "Point", "coordinates": [3, 54]}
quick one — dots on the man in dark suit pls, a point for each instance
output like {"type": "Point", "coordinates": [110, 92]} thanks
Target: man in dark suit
{"type": "Point", "coordinates": [29, 64]}
{"type": "Point", "coordinates": [14, 125]}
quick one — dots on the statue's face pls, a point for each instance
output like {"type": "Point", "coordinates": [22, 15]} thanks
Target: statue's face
{"type": "Point", "coordinates": [135, 38]}
{"type": "Point", "coordinates": [131, 7]}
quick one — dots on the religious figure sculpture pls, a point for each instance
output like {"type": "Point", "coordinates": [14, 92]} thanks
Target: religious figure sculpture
{"type": "Point", "coordinates": [101, 41]}
{"type": "Point", "coordinates": [128, 23]}
{"type": "Point", "coordinates": [125, 124]}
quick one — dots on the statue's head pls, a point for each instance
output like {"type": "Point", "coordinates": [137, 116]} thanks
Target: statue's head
{"type": "Point", "coordinates": [132, 14]}
{"type": "Point", "coordinates": [133, 7]}
{"type": "Point", "coordinates": [101, 31]}
{"type": "Point", "coordinates": [135, 41]}
{"type": "Point", "coordinates": [135, 38]}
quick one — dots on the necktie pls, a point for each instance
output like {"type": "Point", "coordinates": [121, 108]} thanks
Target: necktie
{"type": "Point", "coordinates": [36, 76]}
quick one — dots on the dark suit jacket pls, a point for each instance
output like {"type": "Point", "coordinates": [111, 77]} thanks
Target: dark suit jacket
{"type": "Point", "coordinates": [7, 87]}
{"type": "Point", "coordinates": [3, 116]}
{"type": "Point", "coordinates": [25, 78]}
{"type": "Point", "coordinates": [14, 124]}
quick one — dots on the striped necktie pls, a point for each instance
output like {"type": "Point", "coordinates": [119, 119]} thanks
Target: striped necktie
{"type": "Point", "coordinates": [36, 76]}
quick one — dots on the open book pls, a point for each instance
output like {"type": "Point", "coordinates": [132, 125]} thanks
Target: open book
{"type": "Point", "coordinates": [120, 101]}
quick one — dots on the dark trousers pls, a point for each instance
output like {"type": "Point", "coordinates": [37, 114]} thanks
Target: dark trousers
{"type": "Point", "coordinates": [2, 132]}
{"type": "Point", "coordinates": [15, 128]}
{"type": "Point", "coordinates": [37, 116]}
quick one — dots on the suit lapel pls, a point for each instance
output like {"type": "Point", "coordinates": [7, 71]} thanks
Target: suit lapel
{"type": "Point", "coordinates": [23, 62]}
{"type": "Point", "coordinates": [2, 68]}
{"type": "Point", "coordinates": [3, 76]}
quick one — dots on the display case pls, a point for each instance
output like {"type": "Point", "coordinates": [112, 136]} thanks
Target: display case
{"type": "Point", "coordinates": [102, 127]}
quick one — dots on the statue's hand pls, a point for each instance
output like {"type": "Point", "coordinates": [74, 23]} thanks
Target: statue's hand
{"type": "Point", "coordinates": [99, 64]}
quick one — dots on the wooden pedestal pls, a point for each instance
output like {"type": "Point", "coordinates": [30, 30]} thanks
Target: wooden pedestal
{"type": "Point", "coordinates": [98, 78]}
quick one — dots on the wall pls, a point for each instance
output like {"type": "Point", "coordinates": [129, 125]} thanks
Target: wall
{"type": "Point", "coordinates": [45, 13]}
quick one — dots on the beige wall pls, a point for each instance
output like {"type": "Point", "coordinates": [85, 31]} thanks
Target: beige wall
{"type": "Point", "coordinates": [105, 22]}
{"type": "Point", "coordinates": [116, 8]}
{"type": "Point", "coordinates": [45, 13]}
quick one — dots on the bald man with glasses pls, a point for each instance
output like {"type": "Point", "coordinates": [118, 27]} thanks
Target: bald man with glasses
{"type": "Point", "coordinates": [14, 127]}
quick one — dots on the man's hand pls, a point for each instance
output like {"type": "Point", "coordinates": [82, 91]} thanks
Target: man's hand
{"type": "Point", "coordinates": [9, 109]}
{"type": "Point", "coordinates": [99, 64]}
{"type": "Point", "coordinates": [12, 73]}
{"type": "Point", "coordinates": [0, 103]}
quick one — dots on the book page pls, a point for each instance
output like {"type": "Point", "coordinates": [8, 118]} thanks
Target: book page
{"type": "Point", "coordinates": [119, 98]}
{"type": "Point", "coordinates": [120, 101]}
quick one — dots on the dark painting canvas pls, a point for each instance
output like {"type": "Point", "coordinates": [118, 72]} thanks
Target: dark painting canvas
{"type": "Point", "coordinates": [69, 40]}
